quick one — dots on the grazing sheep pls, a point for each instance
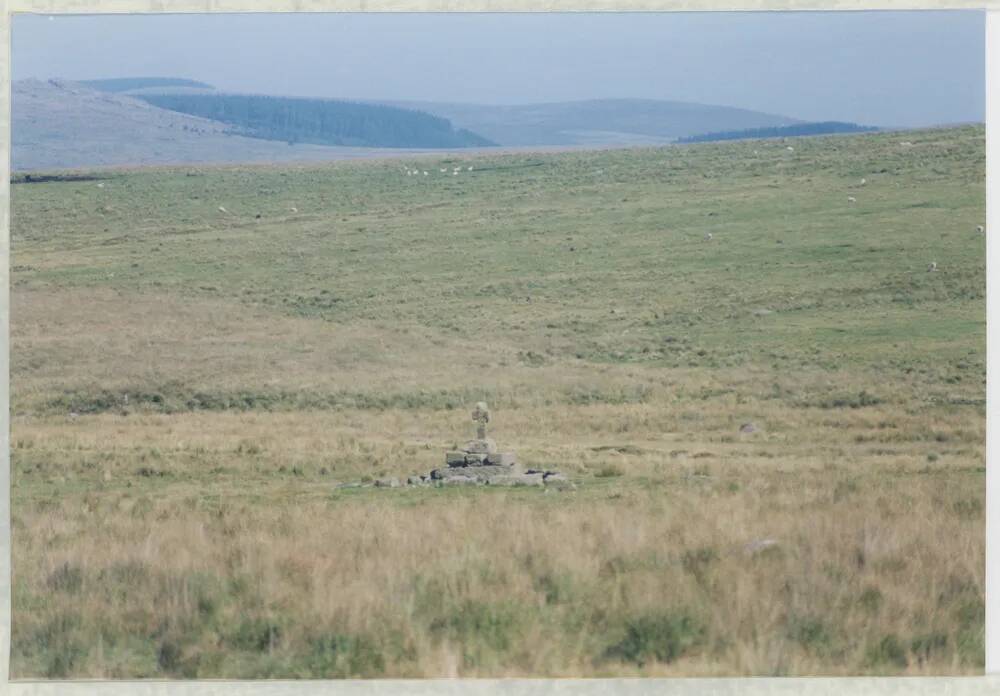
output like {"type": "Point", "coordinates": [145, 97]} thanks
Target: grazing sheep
{"type": "Point", "coordinates": [980, 229]}
{"type": "Point", "coordinates": [932, 267]}
{"type": "Point", "coordinates": [223, 210]}
{"type": "Point", "coordinates": [469, 168]}
{"type": "Point", "coordinates": [708, 236]}
{"type": "Point", "coordinates": [425, 173]}
{"type": "Point", "coordinates": [852, 199]}
{"type": "Point", "coordinates": [864, 181]}
{"type": "Point", "coordinates": [790, 148]}
{"type": "Point", "coordinates": [294, 209]}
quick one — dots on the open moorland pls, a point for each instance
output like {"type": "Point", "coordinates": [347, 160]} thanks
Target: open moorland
{"type": "Point", "coordinates": [202, 355]}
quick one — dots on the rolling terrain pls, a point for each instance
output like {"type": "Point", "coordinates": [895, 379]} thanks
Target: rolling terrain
{"type": "Point", "coordinates": [66, 125]}
{"type": "Point", "coordinates": [145, 121]}
{"type": "Point", "coordinates": [597, 121]}
{"type": "Point", "coordinates": [772, 409]}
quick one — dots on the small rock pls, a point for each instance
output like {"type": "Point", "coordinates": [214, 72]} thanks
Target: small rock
{"type": "Point", "coordinates": [454, 458]}
{"type": "Point", "coordinates": [748, 428]}
{"type": "Point", "coordinates": [501, 458]}
{"type": "Point", "coordinates": [759, 545]}
{"type": "Point", "coordinates": [392, 482]}
{"type": "Point", "coordinates": [415, 481]}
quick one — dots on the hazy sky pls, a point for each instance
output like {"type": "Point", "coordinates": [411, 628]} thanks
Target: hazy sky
{"type": "Point", "coordinates": [877, 68]}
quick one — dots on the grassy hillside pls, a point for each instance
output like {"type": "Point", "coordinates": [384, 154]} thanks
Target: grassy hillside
{"type": "Point", "coordinates": [201, 355]}
{"type": "Point", "coordinates": [597, 121]}
{"type": "Point", "coordinates": [129, 84]}
{"type": "Point", "coordinates": [320, 121]}
{"type": "Point", "coordinates": [64, 125]}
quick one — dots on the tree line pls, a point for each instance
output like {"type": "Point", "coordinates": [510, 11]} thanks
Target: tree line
{"type": "Point", "coordinates": [320, 121]}
{"type": "Point", "coordinates": [819, 128]}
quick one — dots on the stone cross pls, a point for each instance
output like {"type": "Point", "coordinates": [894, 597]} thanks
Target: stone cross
{"type": "Point", "coordinates": [481, 415]}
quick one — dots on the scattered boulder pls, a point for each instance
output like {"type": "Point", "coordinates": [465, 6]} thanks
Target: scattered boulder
{"type": "Point", "coordinates": [392, 482]}
{"type": "Point", "coordinates": [748, 428]}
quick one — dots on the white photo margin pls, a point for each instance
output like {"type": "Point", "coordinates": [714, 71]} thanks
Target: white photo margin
{"type": "Point", "coordinates": [945, 686]}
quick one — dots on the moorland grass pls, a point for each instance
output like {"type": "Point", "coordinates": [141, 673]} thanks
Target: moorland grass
{"type": "Point", "coordinates": [189, 387]}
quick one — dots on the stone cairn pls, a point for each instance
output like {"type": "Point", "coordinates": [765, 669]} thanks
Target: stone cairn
{"type": "Point", "coordinates": [480, 462]}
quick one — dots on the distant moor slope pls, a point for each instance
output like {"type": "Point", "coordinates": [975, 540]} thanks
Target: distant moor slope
{"type": "Point", "coordinates": [597, 121]}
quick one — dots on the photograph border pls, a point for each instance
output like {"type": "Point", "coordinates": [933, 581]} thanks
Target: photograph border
{"type": "Point", "coordinates": [958, 686]}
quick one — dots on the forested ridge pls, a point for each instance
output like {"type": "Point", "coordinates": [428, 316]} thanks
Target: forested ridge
{"type": "Point", "coordinates": [819, 128]}
{"type": "Point", "coordinates": [321, 121]}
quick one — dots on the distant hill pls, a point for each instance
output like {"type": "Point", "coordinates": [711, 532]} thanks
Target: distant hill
{"type": "Point", "coordinates": [59, 125]}
{"type": "Point", "coordinates": [321, 121]}
{"type": "Point", "coordinates": [129, 84]}
{"type": "Point", "coordinates": [597, 122]}
{"type": "Point", "coordinates": [165, 120]}
{"type": "Point", "coordinates": [801, 129]}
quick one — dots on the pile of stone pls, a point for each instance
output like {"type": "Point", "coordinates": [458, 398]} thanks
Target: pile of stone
{"type": "Point", "coordinates": [480, 462]}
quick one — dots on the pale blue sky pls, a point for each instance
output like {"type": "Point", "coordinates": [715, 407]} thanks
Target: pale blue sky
{"type": "Point", "coordinates": [878, 68]}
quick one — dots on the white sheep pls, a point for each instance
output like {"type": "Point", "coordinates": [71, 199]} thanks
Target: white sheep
{"type": "Point", "coordinates": [708, 236]}
{"type": "Point", "coordinates": [980, 229]}
{"type": "Point", "coordinates": [852, 199]}
{"type": "Point", "coordinates": [932, 267]}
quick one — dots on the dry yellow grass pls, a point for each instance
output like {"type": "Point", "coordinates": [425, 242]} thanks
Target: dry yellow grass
{"type": "Point", "coordinates": [223, 534]}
